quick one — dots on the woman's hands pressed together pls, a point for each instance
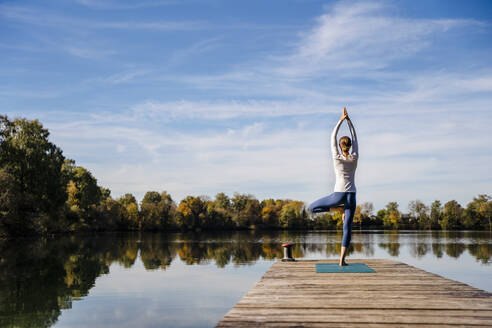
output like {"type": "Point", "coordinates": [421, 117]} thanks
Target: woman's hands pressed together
{"type": "Point", "coordinates": [345, 115]}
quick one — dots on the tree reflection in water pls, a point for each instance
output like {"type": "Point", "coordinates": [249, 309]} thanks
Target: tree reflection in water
{"type": "Point", "coordinates": [391, 243]}
{"type": "Point", "coordinates": [39, 278]}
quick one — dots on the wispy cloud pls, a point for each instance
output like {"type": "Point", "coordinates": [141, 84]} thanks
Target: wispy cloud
{"type": "Point", "coordinates": [80, 37]}
{"type": "Point", "coordinates": [361, 36]}
{"type": "Point", "coordinates": [88, 53]}
{"type": "Point", "coordinates": [127, 76]}
{"type": "Point", "coordinates": [8, 92]}
{"type": "Point", "coordinates": [36, 16]}
{"type": "Point", "coordinates": [110, 4]}
{"type": "Point", "coordinates": [225, 109]}
{"type": "Point", "coordinates": [186, 54]}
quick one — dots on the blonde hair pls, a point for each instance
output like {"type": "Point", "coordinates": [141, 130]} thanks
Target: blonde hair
{"type": "Point", "coordinates": [345, 144]}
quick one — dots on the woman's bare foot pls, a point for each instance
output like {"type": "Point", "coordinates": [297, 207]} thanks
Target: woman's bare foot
{"type": "Point", "coordinates": [342, 263]}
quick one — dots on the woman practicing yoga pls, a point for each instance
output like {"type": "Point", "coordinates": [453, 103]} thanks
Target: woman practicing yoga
{"type": "Point", "coordinates": [344, 193]}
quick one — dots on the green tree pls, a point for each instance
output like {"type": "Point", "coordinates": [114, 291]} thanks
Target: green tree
{"type": "Point", "coordinates": [9, 205]}
{"type": "Point", "coordinates": [105, 193]}
{"type": "Point", "coordinates": [31, 171]}
{"type": "Point", "coordinates": [151, 197]}
{"type": "Point", "coordinates": [131, 219]}
{"type": "Point", "coordinates": [222, 201]}
{"type": "Point", "coordinates": [382, 213]}
{"type": "Point", "coordinates": [112, 215]}
{"type": "Point", "coordinates": [157, 211]}
{"type": "Point", "coordinates": [219, 212]}
{"type": "Point", "coordinates": [451, 216]}
{"type": "Point", "coordinates": [392, 217]}
{"type": "Point", "coordinates": [149, 211]}
{"type": "Point", "coordinates": [419, 214]}
{"type": "Point", "coordinates": [87, 201]}
{"type": "Point", "coordinates": [82, 188]}
{"type": "Point", "coordinates": [127, 199]}
{"type": "Point", "coordinates": [293, 215]}
{"type": "Point", "coordinates": [435, 214]}
{"type": "Point", "coordinates": [167, 210]}
{"type": "Point", "coordinates": [478, 213]}
{"type": "Point", "coordinates": [325, 221]}
{"type": "Point", "coordinates": [246, 210]}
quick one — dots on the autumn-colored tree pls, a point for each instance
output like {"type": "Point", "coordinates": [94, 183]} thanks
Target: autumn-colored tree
{"type": "Point", "coordinates": [127, 199]}
{"type": "Point", "coordinates": [133, 217]}
{"type": "Point", "coordinates": [130, 215]}
{"type": "Point", "coordinates": [337, 216]}
{"type": "Point", "coordinates": [392, 216]}
{"type": "Point", "coordinates": [83, 191]}
{"type": "Point", "coordinates": [357, 216]}
{"type": "Point", "coordinates": [86, 199]}
{"type": "Point", "coordinates": [293, 215]}
{"type": "Point", "coordinates": [325, 221]}
{"type": "Point", "coordinates": [270, 212]}
{"type": "Point", "coordinates": [191, 212]}
{"type": "Point", "coordinates": [362, 214]}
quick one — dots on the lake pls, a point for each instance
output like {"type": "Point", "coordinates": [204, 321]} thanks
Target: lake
{"type": "Point", "coordinates": [193, 279]}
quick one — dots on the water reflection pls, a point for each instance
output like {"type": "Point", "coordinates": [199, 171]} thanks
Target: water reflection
{"type": "Point", "coordinates": [39, 278]}
{"type": "Point", "coordinates": [391, 243]}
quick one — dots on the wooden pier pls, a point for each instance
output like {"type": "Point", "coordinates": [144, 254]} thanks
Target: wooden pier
{"type": "Point", "coordinates": [292, 294]}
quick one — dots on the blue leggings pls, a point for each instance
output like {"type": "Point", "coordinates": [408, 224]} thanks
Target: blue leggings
{"type": "Point", "coordinates": [347, 199]}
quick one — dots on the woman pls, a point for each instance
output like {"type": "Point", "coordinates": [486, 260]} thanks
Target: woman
{"type": "Point", "coordinates": [345, 164]}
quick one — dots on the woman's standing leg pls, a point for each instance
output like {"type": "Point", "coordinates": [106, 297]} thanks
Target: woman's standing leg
{"type": "Point", "coordinates": [324, 204]}
{"type": "Point", "coordinates": [349, 206]}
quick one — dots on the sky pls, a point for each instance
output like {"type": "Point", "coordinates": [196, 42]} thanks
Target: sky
{"type": "Point", "coordinates": [198, 97]}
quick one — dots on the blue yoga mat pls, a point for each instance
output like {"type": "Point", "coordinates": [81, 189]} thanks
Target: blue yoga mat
{"type": "Point", "coordinates": [335, 268]}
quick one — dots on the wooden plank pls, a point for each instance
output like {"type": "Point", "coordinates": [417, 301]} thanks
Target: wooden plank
{"type": "Point", "coordinates": [292, 294]}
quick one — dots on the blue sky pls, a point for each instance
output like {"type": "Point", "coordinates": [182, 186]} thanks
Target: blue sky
{"type": "Point", "coordinates": [199, 97]}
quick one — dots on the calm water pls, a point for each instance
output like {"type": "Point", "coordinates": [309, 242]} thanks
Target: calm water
{"type": "Point", "coordinates": [192, 280]}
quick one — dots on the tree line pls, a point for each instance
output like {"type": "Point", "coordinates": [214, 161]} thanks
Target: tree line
{"type": "Point", "coordinates": [43, 192]}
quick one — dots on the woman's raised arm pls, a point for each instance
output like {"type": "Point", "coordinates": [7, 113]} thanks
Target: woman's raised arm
{"type": "Point", "coordinates": [355, 145]}
{"type": "Point", "coordinates": [334, 147]}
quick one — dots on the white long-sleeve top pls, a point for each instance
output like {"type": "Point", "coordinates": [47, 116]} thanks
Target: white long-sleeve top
{"type": "Point", "coordinates": [344, 166]}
